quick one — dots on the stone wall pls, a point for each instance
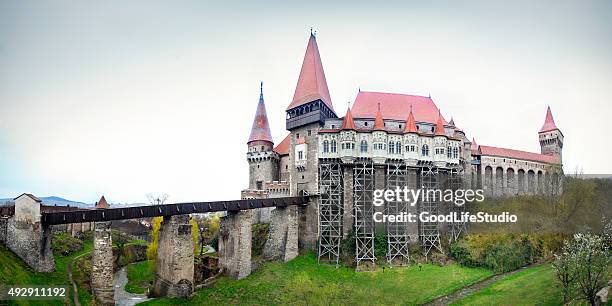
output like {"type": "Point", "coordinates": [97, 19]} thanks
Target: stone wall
{"type": "Point", "coordinates": [235, 244]}
{"type": "Point", "coordinates": [282, 242]}
{"type": "Point", "coordinates": [3, 225]}
{"type": "Point", "coordinates": [103, 264]}
{"type": "Point", "coordinates": [32, 243]}
{"type": "Point", "coordinates": [175, 259]}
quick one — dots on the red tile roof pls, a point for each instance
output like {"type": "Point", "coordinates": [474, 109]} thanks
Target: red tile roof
{"type": "Point", "coordinates": [440, 126]}
{"type": "Point", "coordinates": [474, 146]}
{"type": "Point", "coordinates": [348, 123]}
{"type": "Point", "coordinates": [549, 122]}
{"type": "Point", "coordinates": [102, 203]}
{"type": "Point", "coordinates": [379, 123]}
{"type": "Point", "coordinates": [283, 147]}
{"type": "Point", "coordinates": [261, 128]}
{"type": "Point", "coordinates": [410, 123]}
{"type": "Point", "coordinates": [311, 84]}
{"type": "Point", "coordinates": [395, 106]}
{"type": "Point", "coordinates": [503, 152]}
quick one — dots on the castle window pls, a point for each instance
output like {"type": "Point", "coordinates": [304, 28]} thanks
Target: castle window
{"type": "Point", "coordinates": [365, 123]}
{"type": "Point", "coordinates": [325, 146]}
{"type": "Point", "coordinates": [364, 146]}
{"type": "Point", "coordinates": [425, 150]}
{"type": "Point", "coordinates": [391, 147]}
{"type": "Point", "coordinates": [309, 132]}
{"type": "Point", "coordinates": [333, 126]}
{"type": "Point", "coordinates": [432, 129]}
{"type": "Point", "coordinates": [333, 146]}
{"type": "Point", "coordinates": [455, 153]}
{"type": "Point", "coordinates": [400, 126]}
{"type": "Point", "coordinates": [342, 146]}
{"type": "Point", "coordinates": [286, 167]}
{"type": "Point", "coordinates": [259, 185]}
{"type": "Point", "coordinates": [449, 152]}
{"type": "Point", "coordinates": [262, 148]}
{"type": "Point", "coordinates": [398, 145]}
{"type": "Point", "coordinates": [352, 146]}
{"type": "Point", "coordinates": [297, 136]}
{"type": "Point", "coordinates": [300, 155]}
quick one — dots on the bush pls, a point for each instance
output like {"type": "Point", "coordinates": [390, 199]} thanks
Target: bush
{"type": "Point", "coordinates": [259, 237]}
{"type": "Point", "coordinates": [65, 244]}
{"type": "Point", "coordinates": [380, 245]}
{"type": "Point", "coordinates": [462, 255]}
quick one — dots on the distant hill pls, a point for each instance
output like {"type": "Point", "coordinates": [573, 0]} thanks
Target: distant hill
{"type": "Point", "coordinates": [54, 200]}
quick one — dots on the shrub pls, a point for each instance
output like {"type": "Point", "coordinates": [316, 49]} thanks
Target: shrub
{"type": "Point", "coordinates": [259, 237]}
{"type": "Point", "coordinates": [65, 244]}
{"type": "Point", "coordinates": [462, 255]}
{"type": "Point", "coordinates": [380, 245]}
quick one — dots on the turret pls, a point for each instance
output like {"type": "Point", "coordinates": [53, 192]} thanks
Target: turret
{"type": "Point", "coordinates": [379, 134]}
{"type": "Point", "coordinates": [348, 138]}
{"type": "Point", "coordinates": [439, 150]}
{"type": "Point", "coordinates": [263, 161]}
{"type": "Point", "coordinates": [551, 138]}
{"type": "Point", "coordinates": [411, 140]}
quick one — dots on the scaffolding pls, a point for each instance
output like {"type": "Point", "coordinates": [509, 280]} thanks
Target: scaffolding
{"type": "Point", "coordinates": [397, 232]}
{"type": "Point", "coordinates": [430, 234]}
{"type": "Point", "coordinates": [363, 189]}
{"type": "Point", "coordinates": [455, 181]}
{"type": "Point", "coordinates": [330, 212]}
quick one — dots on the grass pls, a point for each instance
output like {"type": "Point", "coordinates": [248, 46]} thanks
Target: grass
{"type": "Point", "coordinates": [13, 271]}
{"type": "Point", "coordinates": [304, 282]}
{"type": "Point", "coordinates": [532, 286]}
{"type": "Point", "coordinates": [140, 275]}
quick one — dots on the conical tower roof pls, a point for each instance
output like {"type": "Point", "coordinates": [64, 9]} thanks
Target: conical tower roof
{"type": "Point", "coordinates": [102, 203]}
{"type": "Point", "coordinates": [440, 126]}
{"type": "Point", "coordinates": [410, 123]}
{"type": "Point", "coordinates": [311, 85]}
{"type": "Point", "coordinates": [348, 123]}
{"type": "Point", "coordinates": [261, 128]}
{"type": "Point", "coordinates": [474, 146]}
{"type": "Point", "coordinates": [549, 122]}
{"type": "Point", "coordinates": [379, 123]}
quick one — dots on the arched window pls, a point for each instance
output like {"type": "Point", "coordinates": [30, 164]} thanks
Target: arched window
{"type": "Point", "coordinates": [391, 147]}
{"type": "Point", "coordinates": [333, 146]}
{"type": "Point", "coordinates": [325, 146]}
{"type": "Point", "coordinates": [425, 150]}
{"type": "Point", "coordinates": [342, 146]}
{"type": "Point", "coordinates": [364, 146]}
{"type": "Point", "coordinates": [398, 145]}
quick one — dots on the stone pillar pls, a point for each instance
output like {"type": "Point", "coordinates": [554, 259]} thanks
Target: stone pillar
{"type": "Point", "coordinates": [308, 220]}
{"type": "Point", "coordinates": [348, 200]}
{"type": "Point", "coordinates": [174, 273]}
{"type": "Point", "coordinates": [102, 264]}
{"type": "Point", "coordinates": [282, 243]}
{"type": "Point", "coordinates": [3, 227]}
{"type": "Point", "coordinates": [235, 244]}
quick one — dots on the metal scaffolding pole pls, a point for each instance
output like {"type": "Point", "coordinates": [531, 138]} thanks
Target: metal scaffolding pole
{"type": "Point", "coordinates": [330, 212]}
{"type": "Point", "coordinates": [430, 235]}
{"type": "Point", "coordinates": [397, 232]}
{"type": "Point", "coordinates": [363, 189]}
{"type": "Point", "coordinates": [455, 181]}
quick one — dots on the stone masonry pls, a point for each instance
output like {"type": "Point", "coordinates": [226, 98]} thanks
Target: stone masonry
{"type": "Point", "coordinates": [282, 243]}
{"type": "Point", "coordinates": [235, 244]}
{"type": "Point", "coordinates": [175, 259]}
{"type": "Point", "coordinates": [102, 264]}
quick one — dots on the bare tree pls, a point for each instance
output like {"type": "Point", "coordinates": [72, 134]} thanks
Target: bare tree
{"type": "Point", "coordinates": [157, 198]}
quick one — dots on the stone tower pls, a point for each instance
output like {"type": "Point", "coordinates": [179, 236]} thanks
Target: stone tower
{"type": "Point", "coordinates": [263, 161]}
{"type": "Point", "coordinates": [310, 106]}
{"type": "Point", "coordinates": [551, 138]}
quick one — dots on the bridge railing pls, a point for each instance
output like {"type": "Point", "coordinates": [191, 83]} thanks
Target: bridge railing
{"type": "Point", "coordinates": [98, 215]}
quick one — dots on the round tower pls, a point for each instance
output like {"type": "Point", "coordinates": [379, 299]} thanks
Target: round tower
{"type": "Point", "coordinates": [263, 161]}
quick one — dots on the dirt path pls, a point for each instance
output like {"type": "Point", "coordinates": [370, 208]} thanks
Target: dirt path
{"type": "Point", "coordinates": [122, 297]}
{"type": "Point", "coordinates": [465, 291]}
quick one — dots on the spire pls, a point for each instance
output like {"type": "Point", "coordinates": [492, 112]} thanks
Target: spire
{"type": "Point", "coordinates": [261, 127]}
{"type": "Point", "coordinates": [440, 126]}
{"type": "Point", "coordinates": [348, 123]}
{"type": "Point", "coordinates": [379, 123]}
{"type": "Point", "coordinates": [474, 146]}
{"type": "Point", "coordinates": [102, 203]}
{"type": "Point", "coordinates": [410, 123]}
{"type": "Point", "coordinates": [311, 85]}
{"type": "Point", "coordinates": [549, 122]}
{"type": "Point", "coordinates": [452, 122]}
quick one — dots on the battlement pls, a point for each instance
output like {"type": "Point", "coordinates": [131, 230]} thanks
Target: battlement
{"type": "Point", "coordinates": [262, 155]}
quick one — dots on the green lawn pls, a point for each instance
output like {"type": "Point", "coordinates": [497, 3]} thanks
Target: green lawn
{"type": "Point", "coordinates": [532, 286]}
{"type": "Point", "coordinates": [304, 282]}
{"type": "Point", "coordinates": [13, 271]}
{"type": "Point", "coordinates": [140, 275]}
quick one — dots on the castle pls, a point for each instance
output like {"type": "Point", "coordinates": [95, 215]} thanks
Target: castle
{"type": "Point", "coordinates": [384, 140]}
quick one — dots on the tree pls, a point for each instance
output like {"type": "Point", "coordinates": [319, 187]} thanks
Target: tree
{"type": "Point", "coordinates": [157, 198]}
{"type": "Point", "coordinates": [592, 261]}
{"type": "Point", "coordinates": [565, 266]}
{"type": "Point", "coordinates": [120, 239]}
{"type": "Point", "coordinates": [152, 248]}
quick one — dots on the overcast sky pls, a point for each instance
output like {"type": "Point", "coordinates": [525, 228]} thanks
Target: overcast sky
{"type": "Point", "coordinates": [123, 98]}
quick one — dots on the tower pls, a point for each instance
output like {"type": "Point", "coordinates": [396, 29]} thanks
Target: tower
{"type": "Point", "coordinates": [551, 138]}
{"type": "Point", "coordinates": [263, 161]}
{"type": "Point", "coordinates": [306, 113]}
